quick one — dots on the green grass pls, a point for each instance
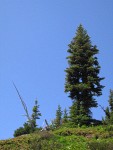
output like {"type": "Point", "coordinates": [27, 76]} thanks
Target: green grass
{"type": "Point", "coordinates": [64, 138]}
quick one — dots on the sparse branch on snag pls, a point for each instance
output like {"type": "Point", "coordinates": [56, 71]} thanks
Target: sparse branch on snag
{"type": "Point", "coordinates": [23, 104]}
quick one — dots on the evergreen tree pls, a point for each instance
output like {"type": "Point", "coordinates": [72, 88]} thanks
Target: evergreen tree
{"type": "Point", "coordinates": [78, 116]}
{"type": "Point", "coordinates": [35, 115]}
{"type": "Point", "coordinates": [107, 115]}
{"type": "Point", "coordinates": [74, 113]}
{"type": "Point", "coordinates": [111, 106]}
{"type": "Point", "coordinates": [111, 100]}
{"type": "Point", "coordinates": [65, 116]}
{"type": "Point", "coordinates": [58, 120]}
{"type": "Point", "coordinates": [109, 110]}
{"type": "Point", "coordinates": [82, 76]}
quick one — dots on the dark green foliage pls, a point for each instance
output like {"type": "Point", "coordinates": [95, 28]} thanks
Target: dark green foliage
{"type": "Point", "coordinates": [107, 117]}
{"type": "Point", "coordinates": [78, 116]}
{"type": "Point", "coordinates": [35, 115]}
{"type": "Point", "coordinates": [111, 101]}
{"type": "Point", "coordinates": [111, 106]}
{"type": "Point", "coordinates": [65, 116]}
{"type": "Point", "coordinates": [58, 120]}
{"type": "Point", "coordinates": [109, 110]}
{"type": "Point", "coordinates": [82, 77]}
{"type": "Point", "coordinates": [19, 131]}
{"type": "Point", "coordinates": [23, 130]}
{"type": "Point", "coordinates": [95, 122]}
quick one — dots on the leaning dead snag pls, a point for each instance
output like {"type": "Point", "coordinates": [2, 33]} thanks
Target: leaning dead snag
{"type": "Point", "coordinates": [24, 106]}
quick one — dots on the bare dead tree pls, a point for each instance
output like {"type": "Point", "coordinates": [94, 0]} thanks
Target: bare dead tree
{"type": "Point", "coordinates": [24, 106]}
{"type": "Point", "coordinates": [47, 125]}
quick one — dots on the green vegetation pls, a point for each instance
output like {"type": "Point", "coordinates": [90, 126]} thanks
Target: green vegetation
{"type": "Point", "coordinates": [58, 119]}
{"type": "Point", "coordinates": [35, 115]}
{"type": "Point", "coordinates": [65, 116]}
{"type": "Point", "coordinates": [76, 130]}
{"type": "Point", "coordinates": [30, 126]}
{"type": "Point", "coordinates": [63, 138]}
{"type": "Point", "coordinates": [109, 110]}
{"type": "Point", "coordinates": [82, 77]}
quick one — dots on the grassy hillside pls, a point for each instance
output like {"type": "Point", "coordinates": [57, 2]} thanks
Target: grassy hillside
{"type": "Point", "coordinates": [91, 138]}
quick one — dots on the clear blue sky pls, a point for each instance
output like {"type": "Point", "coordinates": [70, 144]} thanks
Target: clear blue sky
{"type": "Point", "coordinates": [34, 38]}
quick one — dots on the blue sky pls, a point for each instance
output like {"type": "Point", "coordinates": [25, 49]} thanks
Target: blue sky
{"type": "Point", "coordinates": [34, 38]}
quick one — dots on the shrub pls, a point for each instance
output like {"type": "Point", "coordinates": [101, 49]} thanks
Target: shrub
{"type": "Point", "coordinates": [46, 141]}
{"type": "Point", "coordinates": [109, 128]}
{"type": "Point", "coordinates": [19, 131]}
{"type": "Point", "coordinates": [101, 146]}
{"type": "Point", "coordinates": [45, 135]}
{"type": "Point", "coordinates": [23, 130]}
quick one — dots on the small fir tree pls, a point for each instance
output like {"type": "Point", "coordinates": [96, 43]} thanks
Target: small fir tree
{"type": "Point", "coordinates": [107, 115]}
{"type": "Point", "coordinates": [74, 113]}
{"type": "Point", "coordinates": [109, 110]}
{"type": "Point", "coordinates": [35, 115]}
{"type": "Point", "coordinates": [65, 116]}
{"type": "Point", "coordinates": [82, 76]}
{"type": "Point", "coordinates": [58, 120]}
{"type": "Point", "coordinates": [111, 106]}
{"type": "Point", "coordinates": [111, 101]}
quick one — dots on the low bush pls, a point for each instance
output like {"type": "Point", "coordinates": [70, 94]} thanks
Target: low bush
{"type": "Point", "coordinates": [109, 128]}
{"type": "Point", "coordinates": [101, 146]}
{"type": "Point", "coordinates": [23, 130]}
{"type": "Point", "coordinates": [45, 135]}
{"type": "Point", "coordinates": [45, 145]}
{"type": "Point", "coordinates": [46, 141]}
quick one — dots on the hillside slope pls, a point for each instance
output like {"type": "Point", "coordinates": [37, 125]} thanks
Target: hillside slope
{"type": "Point", "coordinates": [91, 138]}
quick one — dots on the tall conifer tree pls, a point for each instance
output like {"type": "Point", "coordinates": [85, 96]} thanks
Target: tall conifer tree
{"type": "Point", "coordinates": [82, 76]}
